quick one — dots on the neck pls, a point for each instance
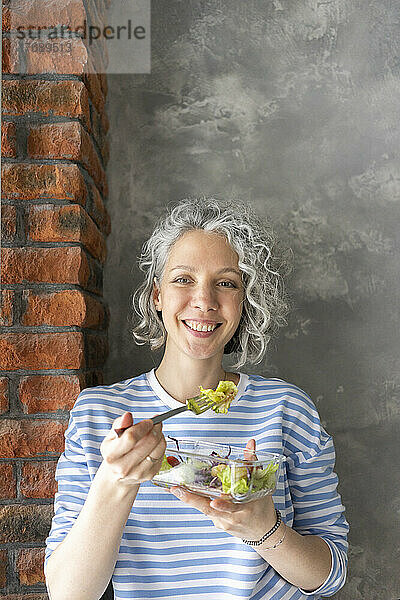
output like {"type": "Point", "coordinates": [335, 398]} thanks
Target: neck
{"type": "Point", "coordinates": [182, 382]}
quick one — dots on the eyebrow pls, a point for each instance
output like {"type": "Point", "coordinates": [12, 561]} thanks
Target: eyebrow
{"type": "Point", "coordinates": [224, 270]}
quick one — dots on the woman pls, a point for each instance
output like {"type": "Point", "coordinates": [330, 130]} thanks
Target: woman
{"type": "Point", "coordinates": [215, 263]}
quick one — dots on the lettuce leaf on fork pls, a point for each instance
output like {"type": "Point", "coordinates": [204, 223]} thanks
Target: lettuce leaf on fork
{"type": "Point", "coordinates": [222, 396]}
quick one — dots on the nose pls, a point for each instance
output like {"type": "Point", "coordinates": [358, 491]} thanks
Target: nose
{"type": "Point", "coordinates": [204, 298]}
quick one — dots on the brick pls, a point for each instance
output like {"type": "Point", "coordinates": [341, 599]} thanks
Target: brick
{"type": "Point", "coordinates": [10, 61]}
{"type": "Point", "coordinates": [3, 394]}
{"type": "Point", "coordinates": [64, 308]}
{"type": "Point", "coordinates": [49, 223]}
{"type": "Point", "coordinates": [30, 565]}
{"type": "Point", "coordinates": [8, 223]}
{"type": "Point", "coordinates": [71, 60]}
{"type": "Point", "coordinates": [70, 223]}
{"type": "Point", "coordinates": [42, 351]}
{"type": "Point", "coordinates": [26, 438]}
{"type": "Point", "coordinates": [45, 13]}
{"type": "Point", "coordinates": [98, 211]}
{"type": "Point", "coordinates": [32, 181]}
{"type": "Point", "coordinates": [3, 568]}
{"type": "Point", "coordinates": [66, 141]}
{"type": "Point", "coordinates": [46, 98]}
{"type": "Point", "coordinates": [50, 265]}
{"type": "Point", "coordinates": [38, 479]}
{"type": "Point", "coordinates": [5, 55]}
{"type": "Point", "coordinates": [6, 307]}
{"type": "Point", "coordinates": [96, 13]}
{"type": "Point", "coordinates": [8, 140]}
{"type": "Point", "coordinates": [98, 49]}
{"type": "Point", "coordinates": [25, 523]}
{"type": "Point", "coordinates": [8, 483]}
{"type": "Point", "coordinates": [49, 393]}
{"type": "Point", "coordinates": [56, 140]}
{"type": "Point", "coordinates": [93, 83]}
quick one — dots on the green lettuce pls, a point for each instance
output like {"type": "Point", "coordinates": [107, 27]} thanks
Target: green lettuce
{"type": "Point", "coordinates": [264, 478]}
{"type": "Point", "coordinates": [261, 479]}
{"type": "Point", "coordinates": [222, 396]}
{"type": "Point", "coordinates": [165, 466]}
{"type": "Point", "coordinates": [240, 486]}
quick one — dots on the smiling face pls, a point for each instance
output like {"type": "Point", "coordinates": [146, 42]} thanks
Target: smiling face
{"type": "Point", "coordinates": [200, 291]}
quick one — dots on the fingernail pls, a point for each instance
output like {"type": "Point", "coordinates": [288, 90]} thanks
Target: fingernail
{"type": "Point", "coordinates": [178, 492]}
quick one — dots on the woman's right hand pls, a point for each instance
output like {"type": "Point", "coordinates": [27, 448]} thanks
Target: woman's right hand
{"type": "Point", "coordinates": [125, 456]}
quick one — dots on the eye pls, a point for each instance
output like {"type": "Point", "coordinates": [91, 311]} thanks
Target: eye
{"type": "Point", "coordinates": [179, 279]}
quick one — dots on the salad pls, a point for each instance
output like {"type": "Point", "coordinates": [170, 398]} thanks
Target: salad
{"type": "Point", "coordinates": [222, 397]}
{"type": "Point", "coordinates": [212, 475]}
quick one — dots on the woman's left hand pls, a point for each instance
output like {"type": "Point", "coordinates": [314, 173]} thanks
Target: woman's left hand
{"type": "Point", "coordinates": [249, 520]}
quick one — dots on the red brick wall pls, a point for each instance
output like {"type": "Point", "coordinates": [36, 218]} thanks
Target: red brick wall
{"type": "Point", "coordinates": [53, 320]}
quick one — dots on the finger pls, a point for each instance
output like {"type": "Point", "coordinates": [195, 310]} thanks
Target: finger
{"type": "Point", "coordinates": [119, 446]}
{"type": "Point", "coordinates": [134, 451]}
{"type": "Point", "coordinates": [122, 423]}
{"type": "Point", "coordinates": [135, 461]}
{"type": "Point", "coordinates": [249, 451]}
{"type": "Point", "coordinates": [222, 505]}
{"type": "Point", "coordinates": [203, 503]}
{"type": "Point", "coordinates": [153, 444]}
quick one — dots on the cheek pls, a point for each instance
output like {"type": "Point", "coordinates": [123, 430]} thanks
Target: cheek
{"type": "Point", "coordinates": [175, 296]}
{"type": "Point", "coordinates": [177, 306]}
{"type": "Point", "coordinates": [238, 303]}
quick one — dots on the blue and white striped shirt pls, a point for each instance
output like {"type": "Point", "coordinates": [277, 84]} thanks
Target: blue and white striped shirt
{"type": "Point", "coordinates": [171, 550]}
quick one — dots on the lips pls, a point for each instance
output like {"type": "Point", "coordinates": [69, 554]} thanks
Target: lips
{"type": "Point", "coordinates": [200, 331]}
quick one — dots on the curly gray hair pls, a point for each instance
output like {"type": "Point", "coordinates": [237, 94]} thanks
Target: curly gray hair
{"type": "Point", "coordinates": [262, 263]}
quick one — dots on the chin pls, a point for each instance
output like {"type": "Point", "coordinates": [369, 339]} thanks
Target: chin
{"type": "Point", "coordinates": [202, 353]}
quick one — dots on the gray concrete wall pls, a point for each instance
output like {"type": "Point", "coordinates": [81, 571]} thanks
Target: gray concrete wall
{"type": "Point", "coordinates": [293, 106]}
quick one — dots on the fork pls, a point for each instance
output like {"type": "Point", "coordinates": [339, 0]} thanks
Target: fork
{"type": "Point", "coordinates": [197, 404]}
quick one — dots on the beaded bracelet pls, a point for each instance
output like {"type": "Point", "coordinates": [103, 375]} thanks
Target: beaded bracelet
{"type": "Point", "coordinates": [266, 535]}
{"type": "Point", "coordinates": [278, 543]}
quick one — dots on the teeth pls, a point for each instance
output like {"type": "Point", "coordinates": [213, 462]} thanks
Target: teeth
{"type": "Point", "coordinates": [199, 327]}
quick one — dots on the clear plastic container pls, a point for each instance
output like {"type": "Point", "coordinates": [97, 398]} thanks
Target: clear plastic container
{"type": "Point", "coordinates": [215, 470]}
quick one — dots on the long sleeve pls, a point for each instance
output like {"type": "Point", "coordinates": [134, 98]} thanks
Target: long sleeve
{"type": "Point", "coordinates": [317, 505]}
{"type": "Point", "coordinates": [74, 482]}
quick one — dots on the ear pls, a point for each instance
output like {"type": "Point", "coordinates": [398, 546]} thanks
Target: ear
{"type": "Point", "coordinates": [156, 295]}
